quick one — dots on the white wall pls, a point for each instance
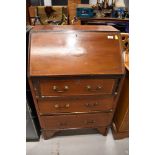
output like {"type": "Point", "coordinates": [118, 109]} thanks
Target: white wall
{"type": "Point", "coordinates": [92, 1]}
{"type": "Point", "coordinates": [47, 2]}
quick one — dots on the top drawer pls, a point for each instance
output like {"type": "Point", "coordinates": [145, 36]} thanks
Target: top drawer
{"type": "Point", "coordinates": [70, 87]}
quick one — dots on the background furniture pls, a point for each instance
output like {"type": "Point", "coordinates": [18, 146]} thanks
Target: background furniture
{"type": "Point", "coordinates": [120, 24]}
{"type": "Point", "coordinates": [125, 47]}
{"type": "Point", "coordinates": [120, 126]}
{"type": "Point", "coordinates": [49, 15]}
{"type": "Point", "coordinates": [75, 81]}
{"type": "Point", "coordinates": [72, 11]}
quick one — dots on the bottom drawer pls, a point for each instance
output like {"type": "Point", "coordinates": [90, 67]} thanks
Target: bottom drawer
{"type": "Point", "coordinates": [77, 121]}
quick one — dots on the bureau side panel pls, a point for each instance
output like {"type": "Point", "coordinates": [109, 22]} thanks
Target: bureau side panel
{"type": "Point", "coordinates": [35, 101]}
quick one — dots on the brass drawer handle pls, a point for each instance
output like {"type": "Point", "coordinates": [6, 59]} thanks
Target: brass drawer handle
{"type": "Point", "coordinates": [64, 106]}
{"type": "Point", "coordinates": [99, 87]}
{"type": "Point", "coordinates": [116, 93]}
{"type": "Point", "coordinates": [90, 122]}
{"type": "Point", "coordinates": [63, 123]}
{"type": "Point", "coordinates": [89, 88]}
{"type": "Point", "coordinates": [92, 105]}
{"type": "Point", "coordinates": [67, 105]}
{"type": "Point", "coordinates": [55, 88]}
{"type": "Point", "coordinates": [56, 106]}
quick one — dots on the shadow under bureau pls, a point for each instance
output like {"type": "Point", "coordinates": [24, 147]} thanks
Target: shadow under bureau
{"type": "Point", "coordinates": [75, 74]}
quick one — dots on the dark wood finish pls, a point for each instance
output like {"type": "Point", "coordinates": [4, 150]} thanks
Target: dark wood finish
{"type": "Point", "coordinates": [121, 24]}
{"type": "Point", "coordinates": [48, 133]}
{"type": "Point", "coordinates": [77, 47]}
{"type": "Point", "coordinates": [104, 19]}
{"type": "Point", "coordinates": [84, 28]}
{"type": "Point", "coordinates": [77, 121]}
{"type": "Point", "coordinates": [120, 126]}
{"type": "Point", "coordinates": [119, 135]}
{"type": "Point", "coordinates": [103, 130]}
{"type": "Point", "coordinates": [75, 87]}
{"type": "Point", "coordinates": [28, 4]}
{"type": "Point", "coordinates": [75, 105]}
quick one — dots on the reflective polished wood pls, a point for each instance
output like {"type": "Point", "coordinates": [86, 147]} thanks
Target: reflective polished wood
{"type": "Point", "coordinates": [75, 50]}
{"type": "Point", "coordinates": [75, 75]}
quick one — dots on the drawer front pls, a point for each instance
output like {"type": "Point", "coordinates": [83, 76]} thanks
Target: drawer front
{"type": "Point", "coordinates": [77, 121]}
{"type": "Point", "coordinates": [76, 87]}
{"type": "Point", "coordinates": [75, 105]}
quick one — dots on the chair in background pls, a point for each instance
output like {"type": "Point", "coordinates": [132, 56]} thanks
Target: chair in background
{"type": "Point", "coordinates": [125, 46]}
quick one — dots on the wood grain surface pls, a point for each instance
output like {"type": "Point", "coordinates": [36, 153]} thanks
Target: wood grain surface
{"type": "Point", "coordinates": [75, 52]}
{"type": "Point", "coordinates": [76, 74]}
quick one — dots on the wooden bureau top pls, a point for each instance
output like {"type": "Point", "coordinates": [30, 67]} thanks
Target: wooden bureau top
{"type": "Point", "coordinates": [75, 50]}
{"type": "Point", "coordinates": [74, 27]}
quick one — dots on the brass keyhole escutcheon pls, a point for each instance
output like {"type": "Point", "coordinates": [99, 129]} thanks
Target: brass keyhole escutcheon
{"type": "Point", "coordinates": [66, 87]}
{"type": "Point", "coordinates": [88, 87]}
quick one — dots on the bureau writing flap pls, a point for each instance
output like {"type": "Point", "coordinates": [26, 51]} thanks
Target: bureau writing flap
{"type": "Point", "coordinates": [75, 50]}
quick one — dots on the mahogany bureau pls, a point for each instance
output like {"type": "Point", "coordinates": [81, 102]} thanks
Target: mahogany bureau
{"type": "Point", "coordinates": [75, 74]}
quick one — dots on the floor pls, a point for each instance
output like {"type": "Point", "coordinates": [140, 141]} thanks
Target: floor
{"type": "Point", "coordinates": [79, 143]}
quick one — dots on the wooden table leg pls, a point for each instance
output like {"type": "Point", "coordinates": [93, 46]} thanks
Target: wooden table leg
{"type": "Point", "coordinates": [47, 134]}
{"type": "Point", "coordinates": [103, 130]}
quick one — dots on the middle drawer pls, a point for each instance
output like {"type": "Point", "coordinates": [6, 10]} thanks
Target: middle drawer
{"type": "Point", "coordinates": [75, 105]}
